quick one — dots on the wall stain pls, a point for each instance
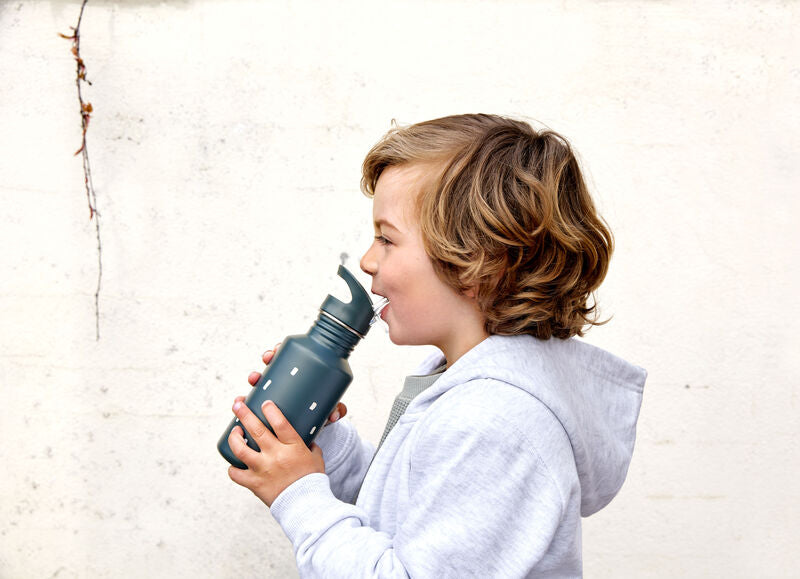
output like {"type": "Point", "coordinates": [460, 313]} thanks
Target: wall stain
{"type": "Point", "coordinates": [688, 386]}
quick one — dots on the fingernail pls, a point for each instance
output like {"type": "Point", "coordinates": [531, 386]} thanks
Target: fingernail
{"type": "Point", "coordinates": [335, 416]}
{"type": "Point", "coordinates": [267, 352]}
{"type": "Point", "coordinates": [237, 405]}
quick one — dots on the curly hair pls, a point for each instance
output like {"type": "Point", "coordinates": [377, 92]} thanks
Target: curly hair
{"type": "Point", "coordinates": [506, 215]}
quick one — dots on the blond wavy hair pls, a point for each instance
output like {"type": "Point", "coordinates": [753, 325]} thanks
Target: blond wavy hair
{"type": "Point", "coordinates": [507, 216]}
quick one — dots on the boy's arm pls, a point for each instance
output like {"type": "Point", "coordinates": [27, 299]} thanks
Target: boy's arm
{"type": "Point", "coordinates": [482, 502]}
{"type": "Point", "coordinates": [347, 458]}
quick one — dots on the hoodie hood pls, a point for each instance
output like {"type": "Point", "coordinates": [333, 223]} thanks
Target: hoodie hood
{"type": "Point", "coordinates": [595, 396]}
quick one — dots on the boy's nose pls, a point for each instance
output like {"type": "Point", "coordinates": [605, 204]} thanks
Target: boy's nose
{"type": "Point", "coordinates": [368, 264]}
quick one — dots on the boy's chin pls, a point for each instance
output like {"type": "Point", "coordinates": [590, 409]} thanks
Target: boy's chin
{"type": "Point", "coordinates": [398, 339]}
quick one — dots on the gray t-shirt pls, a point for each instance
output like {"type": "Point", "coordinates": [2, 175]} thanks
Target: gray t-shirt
{"type": "Point", "coordinates": [413, 386]}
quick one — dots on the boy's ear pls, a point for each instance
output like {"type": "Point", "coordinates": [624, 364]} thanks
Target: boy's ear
{"type": "Point", "coordinates": [472, 291]}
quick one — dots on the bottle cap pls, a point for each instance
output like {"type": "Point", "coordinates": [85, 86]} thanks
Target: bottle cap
{"type": "Point", "coordinates": [358, 312]}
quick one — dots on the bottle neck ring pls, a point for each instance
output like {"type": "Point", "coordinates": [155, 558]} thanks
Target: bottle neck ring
{"type": "Point", "coordinates": [334, 335]}
{"type": "Point", "coordinates": [342, 324]}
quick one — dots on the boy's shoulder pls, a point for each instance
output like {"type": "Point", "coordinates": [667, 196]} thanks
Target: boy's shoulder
{"type": "Point", "coordinates": [495, 425]}
{"type": "Point", "coordinates": [534, 386]}
{"type": "Point", "coordinates": [491, 396]}
{"type": "Point", "coordinates": [495, 411]}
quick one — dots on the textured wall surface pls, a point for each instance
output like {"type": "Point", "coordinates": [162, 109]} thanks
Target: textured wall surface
{"type": "Point", "coordinates": [226, 142]}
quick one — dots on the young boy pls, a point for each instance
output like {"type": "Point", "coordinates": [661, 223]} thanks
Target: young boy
{"type": "Point", "coordinates": [489, 247]}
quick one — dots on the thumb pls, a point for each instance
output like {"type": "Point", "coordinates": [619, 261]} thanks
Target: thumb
{"type": "Point", "coordinates": [316, 450]}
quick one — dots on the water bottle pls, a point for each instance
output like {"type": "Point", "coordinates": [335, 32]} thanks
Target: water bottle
{"type": "Point", "coordinates": [310, 372]}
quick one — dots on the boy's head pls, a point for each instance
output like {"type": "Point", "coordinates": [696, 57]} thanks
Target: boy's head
{"type": "Point", "coordinates": [505, 216]}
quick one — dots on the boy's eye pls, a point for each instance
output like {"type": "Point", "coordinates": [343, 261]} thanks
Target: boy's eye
{"type": "Point", "coordinates": [382, 240]}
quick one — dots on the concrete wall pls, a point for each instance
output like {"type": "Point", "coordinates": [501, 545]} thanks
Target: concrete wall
{"type": "Point", "coordinates": [225, 147]}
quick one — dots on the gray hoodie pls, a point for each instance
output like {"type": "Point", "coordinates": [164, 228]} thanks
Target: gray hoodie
{"type": "Point", "coordinates": [487, 474]}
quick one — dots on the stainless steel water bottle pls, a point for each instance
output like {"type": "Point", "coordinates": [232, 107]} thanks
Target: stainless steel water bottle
{"type": "Point", "coordinates": [310, 372]}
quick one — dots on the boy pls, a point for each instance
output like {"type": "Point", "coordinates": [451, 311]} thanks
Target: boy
{"type": "Point", "coordinates": [488, 246]}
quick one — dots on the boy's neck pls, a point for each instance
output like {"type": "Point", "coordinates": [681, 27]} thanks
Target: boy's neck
{"type": "Point", "coordinates": [454, 353]}
{"type": "Point", "coordinates": [467, 330]}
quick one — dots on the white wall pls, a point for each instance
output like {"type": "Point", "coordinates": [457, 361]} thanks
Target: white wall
{"type": "Point", "coordinates": [226, 144]}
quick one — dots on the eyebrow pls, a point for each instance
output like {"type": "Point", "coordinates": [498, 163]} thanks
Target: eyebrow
{"type": "Point", "coordinates": [380, 222]}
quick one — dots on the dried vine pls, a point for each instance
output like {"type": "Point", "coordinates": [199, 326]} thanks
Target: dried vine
{"type": "Point", "coordinates": [86, 115]}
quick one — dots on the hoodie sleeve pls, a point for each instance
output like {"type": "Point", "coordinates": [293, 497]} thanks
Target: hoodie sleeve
{"type": "Point", "coordinates": [482, 501]}
{"type": "Point", "coordinates": [346, 456]}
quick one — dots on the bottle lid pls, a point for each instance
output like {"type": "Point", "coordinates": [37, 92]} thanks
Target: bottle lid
{"type": "Point", "coordinates": [358, 312]}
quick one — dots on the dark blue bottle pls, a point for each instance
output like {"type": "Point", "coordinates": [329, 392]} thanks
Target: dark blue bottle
{"type": "Point", "coordinates": [310, 372]}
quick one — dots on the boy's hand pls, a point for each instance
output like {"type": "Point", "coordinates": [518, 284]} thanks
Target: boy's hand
{"type": "Point", "coordinates": [283, 459]}
{"type": "Point", "coordinates": [339, 412]}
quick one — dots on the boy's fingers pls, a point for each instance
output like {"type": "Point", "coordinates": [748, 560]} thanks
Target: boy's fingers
{"type": "Point", "coordinates": [269, 354]}
{"type": "Point", "coordinates": [253, 378]}
{"type": "Point", "coordinates": [236, 475]}
{"type": "Point", "coordinates": [250, 421]}
{"type": "Point", "coordinates": [283, 429]}
{"type": "Point", "coordinates": [239, 447]}
{"type": "Point", "coordinates": [337, 413]}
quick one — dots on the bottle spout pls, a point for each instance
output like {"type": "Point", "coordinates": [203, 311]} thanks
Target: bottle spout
{"type": "Point", "coordinates": [355, 314]}
{"type": "Point", "coordinates": [377, 307]}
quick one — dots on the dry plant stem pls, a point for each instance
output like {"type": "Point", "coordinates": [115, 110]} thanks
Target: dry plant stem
{"type": "Point", "coordinates": [91, 197]}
